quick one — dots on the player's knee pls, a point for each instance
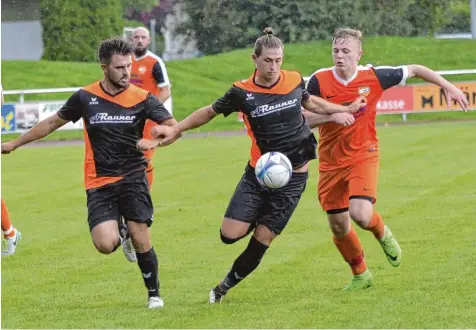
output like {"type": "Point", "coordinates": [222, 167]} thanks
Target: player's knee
{"type": "Point", "coordinates": [264, 235]}
{"type": "Point", "coordinates": [361, 216]}
{"type": "Point", "coordinates": [106, 246]}
{"type": "Point", "coordinates": [339, 228]}
{"type": "Point", "coordinates": [227, 239]}
{"type": "Point", "coordinates": [339, 222]}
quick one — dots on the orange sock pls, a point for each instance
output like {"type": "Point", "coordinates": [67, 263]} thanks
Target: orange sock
{"type": "Point", "coordinates": [376, 225]}
{"type": "Point", "coordinates": [350, 248]}
{"type": "Point", "coordinates": [7, 228]}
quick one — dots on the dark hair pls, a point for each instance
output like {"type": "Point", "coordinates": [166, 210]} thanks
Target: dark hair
{"type": "Point", "coordinates": [269, 40]}
{"type": "Point", "coordinates": [113, 46]}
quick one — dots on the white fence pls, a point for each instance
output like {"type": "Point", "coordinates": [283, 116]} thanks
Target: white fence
{"type": "Point", "coordinates": [418, 98]}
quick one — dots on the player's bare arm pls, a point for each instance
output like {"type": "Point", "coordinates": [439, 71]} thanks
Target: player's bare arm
{"type": "Point", "coordinates": [318, 105]}
{"type": "Point", "coordinates": [159, 132]}
{"type": "Point", "coordinates": [164, 94]}
{"type": "Point", "coordinates": [39, 131]}
{"type": "Point", "coordinates": [195, 120]}
{"type": "Point", "coordinates": [315, 119]}
{"type": "Point", "coordinates": [452, 92]}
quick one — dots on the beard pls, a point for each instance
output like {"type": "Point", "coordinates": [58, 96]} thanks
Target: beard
{"type": "Point", "coordinates": [140, 52]}
{"type": "Point", "coordinates": [117, 83]}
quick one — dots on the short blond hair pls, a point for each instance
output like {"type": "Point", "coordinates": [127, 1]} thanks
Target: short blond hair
{"type": "Point", "coordinates": [347, 33]}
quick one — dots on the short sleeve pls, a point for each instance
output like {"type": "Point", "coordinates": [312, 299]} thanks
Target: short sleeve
{"type": "Point", "coordinates": [305, 93]}
{"type": "Point", "coordinates": [72, 109]}
{"type": "Point", "coordinates": [390, 76]}
{"type": "Point", "coordinates": [313, 87]}
{"type": "Point", "coordinates": [160, 74]}
{"type": "Point", "coordinates": [228, 103]}
{"type": "Point", "coordinates": [156, 110]}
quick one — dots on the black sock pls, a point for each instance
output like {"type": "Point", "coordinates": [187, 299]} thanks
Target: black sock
{"type": "Point", "coordinates": [149, 267]}
{"type": "Point", "coordinates": [243, 265]}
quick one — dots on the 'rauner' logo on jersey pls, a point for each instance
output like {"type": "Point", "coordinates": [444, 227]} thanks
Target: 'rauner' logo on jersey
{"type": "Point", "coordinates": [266, 109]}
{"type": "Point", "coordinates": [364, 91]}
{"type": "Point", "coordinates": [104, 118]}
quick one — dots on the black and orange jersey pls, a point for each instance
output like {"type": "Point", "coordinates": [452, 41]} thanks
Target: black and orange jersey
{"type": "Point", "coordinates": [112, 126]}
{"type": "Point", "coordinates": [341, 146]}
{"type": "Point", "coordinates": [273, 116]}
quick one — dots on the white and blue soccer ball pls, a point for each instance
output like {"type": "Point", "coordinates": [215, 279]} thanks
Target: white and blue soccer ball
{"type": "Point", "coordinates": [273, 170]}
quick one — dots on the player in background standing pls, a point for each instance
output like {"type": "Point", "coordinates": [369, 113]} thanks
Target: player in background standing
{"type": "Point", "coordinates": [149, 73]}
{"type": "Point", "coordinates": [349, 156]}
{"type": "Point", "coordinates": [11, 235]}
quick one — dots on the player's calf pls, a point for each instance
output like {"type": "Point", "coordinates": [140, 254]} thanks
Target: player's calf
{"type": "Point", "coordinates": [147, 261]}
{"type": "Point", "coordinates": [244, 265]}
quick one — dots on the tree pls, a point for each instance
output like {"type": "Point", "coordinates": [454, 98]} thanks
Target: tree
{"type": "Point", "coordinates": [139, 5]}
{"type": "Point", "coordinates": [72, 30]}
{"type": "Point", "coordinates": [222, 25]}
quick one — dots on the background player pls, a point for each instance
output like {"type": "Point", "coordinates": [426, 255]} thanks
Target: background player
{"type": "Point", "coordinates": [271, 101]}
{"type": "Point", "coordinates": [114, 114]}
{"type": "Point", "coordinates": [11, 235]}
{"type": "Point", "coordinates": [349, 156]}
{"type": "Point", "coordinates": [149, 73]}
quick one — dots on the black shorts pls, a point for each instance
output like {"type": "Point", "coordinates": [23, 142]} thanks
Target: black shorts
{"type": "Point", "coordinates": [128, 197]}
{"type": "Point", "coordinates": [272, 208]}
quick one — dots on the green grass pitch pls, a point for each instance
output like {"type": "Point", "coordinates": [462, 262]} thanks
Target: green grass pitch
{"type": "Point", "coordinates": [426, 196]}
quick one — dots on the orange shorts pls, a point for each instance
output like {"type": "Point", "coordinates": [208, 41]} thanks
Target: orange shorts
{"type": "Point", "coordinates": [337, 186]}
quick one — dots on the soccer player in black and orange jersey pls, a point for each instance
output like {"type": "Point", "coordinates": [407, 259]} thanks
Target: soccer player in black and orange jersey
{"type": "Point", "coordinates": [114, 114]}
{"type": "Point", "coordinates": [271, 101]}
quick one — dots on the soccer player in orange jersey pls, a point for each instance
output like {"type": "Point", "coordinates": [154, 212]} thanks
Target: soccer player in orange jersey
{"type": "Point", "coordinates": [10, 234]}
{"type": "Point", "coordinates": [349, 155]}
{"type": "Point", "coordinates": [149, 73]}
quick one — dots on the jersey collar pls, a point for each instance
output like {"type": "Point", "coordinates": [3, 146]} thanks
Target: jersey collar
{"type": "Point", "coordinates": [142, 57]}
{"type": "Point", "coordinates": [266, 87]}
{"type": "Point", "coordinates": [342, 81]}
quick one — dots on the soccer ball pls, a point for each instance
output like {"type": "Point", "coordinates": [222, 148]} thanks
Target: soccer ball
{"type": "Point", "coordinates": [273, 170]}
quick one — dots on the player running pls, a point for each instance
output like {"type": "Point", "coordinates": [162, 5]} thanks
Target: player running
{"type": "Point", "coordinates": [11, 235]}
{"type": "Point", "coordinates": [349, 156]}
{"type": "Point", "coordinates": [271, 101]}
{"type": "Point", "coordinates": [149, 73]}
{"type": "Point", "coordinates": [114, 114]}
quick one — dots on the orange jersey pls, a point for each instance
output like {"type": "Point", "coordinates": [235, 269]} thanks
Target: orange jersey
{"type": "Point", "coordinates": [149, 73]}
{"type": "Point", "coordinates": [341, 146]}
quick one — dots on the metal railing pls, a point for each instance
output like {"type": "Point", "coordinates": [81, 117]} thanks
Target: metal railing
{"type": "Point", "coordinates": [23, 92]}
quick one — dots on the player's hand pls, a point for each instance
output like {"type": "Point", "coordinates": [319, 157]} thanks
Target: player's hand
{"type": "Point", "coordinates": [453, 93]}
{"type": "Point", "coordinates": [343, 118]}
{"type": "Point", "coordinates": [146, 144]}
{"type": "Point", "coordinates": [166, 135]}
{"type": "Point", "coordinates": [8, 147]}
{"type": "Point", "coordinates": [359, 103]}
